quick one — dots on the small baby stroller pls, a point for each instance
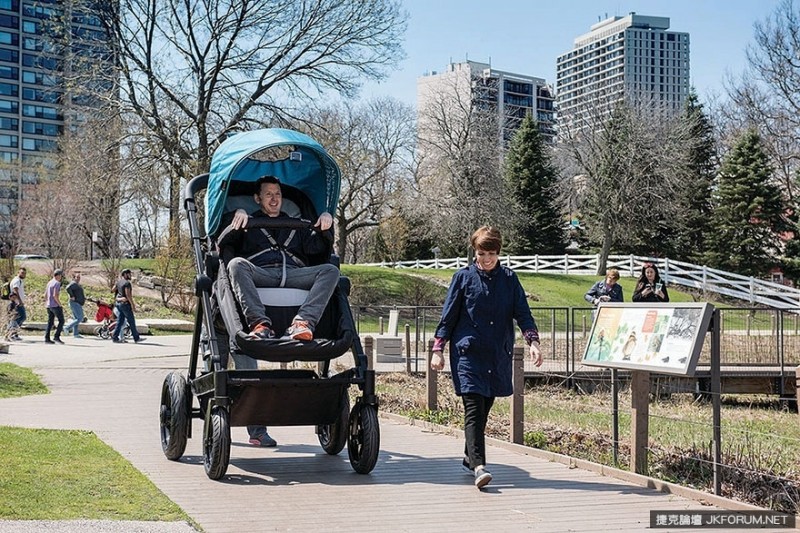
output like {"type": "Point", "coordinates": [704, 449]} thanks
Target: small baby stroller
{"type": "Point", "coordinates": [107, 318]}
{"type": "Point", "coordinates": [228, 397]}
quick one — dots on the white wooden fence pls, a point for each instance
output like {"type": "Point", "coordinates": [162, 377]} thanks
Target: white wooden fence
{"type": "Point", "coordinates": [746, 288]}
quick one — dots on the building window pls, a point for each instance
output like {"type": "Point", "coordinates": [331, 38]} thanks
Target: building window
{"type": "Point", "coordinates": [41, 128]}
{"type": "Point", "coordinates": [9, 106]}
{"type": "Point", "coordinates": [9, 21]}
{"type": "Point", "coordinates": [8, 157]}
{"type": "Point", "coordinates": [9, 5]}
{"type": "Point", "coordinates": [38, 95]}
{"type": "Point", "coordinates": [9, 56]}
{"type": "Point", "coordinates": [9, 89]}
{"type": "Point", "coordinates": [39, 78]}
{"type": "Point", "coordinates": [9, 73]}
{"type": "Point", "coordinates": [39, 111]}
{"type": "Point", "coordinates": [7, 123]}
{"type": "Point", "coordinates": [29, 26]}
{"type": "Point", "coordinates": [7, 37]}
{"type": "Point", "coordinates": [9, 141]}
{"type": "Point", "coordinates": [39, 145]}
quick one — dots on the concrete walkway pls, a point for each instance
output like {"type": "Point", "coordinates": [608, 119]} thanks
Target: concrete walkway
{"type": "Point", "coordinates": [417, 485]}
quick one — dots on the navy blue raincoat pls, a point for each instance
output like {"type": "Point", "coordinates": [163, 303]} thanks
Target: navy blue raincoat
{"type": "Point", "coordinates": [478, 319]}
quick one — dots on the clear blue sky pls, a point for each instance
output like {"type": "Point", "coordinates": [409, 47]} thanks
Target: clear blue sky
{"type": "Point", "coordinates": [526, 36]}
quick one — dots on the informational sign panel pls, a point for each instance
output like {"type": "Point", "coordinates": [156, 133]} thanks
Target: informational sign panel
{"type": "Point", "coordinates": [664, 338]}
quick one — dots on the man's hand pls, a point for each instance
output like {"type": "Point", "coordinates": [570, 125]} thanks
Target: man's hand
{"type": "Point", "coordinates": [437, 361]}
{"type": "Point", "coordinates": [535, 353]}
{"type": "Point", "coordinates": [240, 219]}
{"type": "Point", "coordinates": [324, 222]}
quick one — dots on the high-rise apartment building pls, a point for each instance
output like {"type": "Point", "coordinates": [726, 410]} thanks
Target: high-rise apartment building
{"type": "Point", "coordinates": [511, 96]}
{"type": "Point", "coordinates": [32, 88]}
{"type": "Point", "coordinates": [634, 58]}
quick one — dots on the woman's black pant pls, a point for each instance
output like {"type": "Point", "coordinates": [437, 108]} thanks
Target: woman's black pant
{"type": "Point", "coordinates": [476, 413]}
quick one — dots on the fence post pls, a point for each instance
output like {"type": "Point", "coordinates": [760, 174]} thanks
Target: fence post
{"type": "Point", "coordinates": [596, 262]}
{"type": "Point", "coordinates": [631, 266]}
{"type": "Point", "coordinates": [752, 290]}
{"type": "Point", "coordinates": [380, 324]}
{"type": "Point", "coordinates": [666, 270]}
{"type": "Point", "coordinates": [408, 348]}
{"type": "Point", "coordinates": [431, 383]}
{"type": "Point", "coordinates": [369, 346]}
{"type": "Point", "coordinates": [797, 387]}
{"type": "Point", "coordinates": [553, 333]}
{"type": "Point", "coordinates": [566, 264]}
{"type": "Point", "coordinates": [640, 410]}
{"type": "Point", "coordinates": [536, 263]}
{"type": "Point", "coordinates": [705, 278]}
{"type": "Point", "coordinates": [518, 398]}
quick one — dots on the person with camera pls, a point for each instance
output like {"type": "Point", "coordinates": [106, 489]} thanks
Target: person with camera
{"type": "Point", "coordinates": [607, 290]}
{"type": "Point", "coordinates": [650, 288]}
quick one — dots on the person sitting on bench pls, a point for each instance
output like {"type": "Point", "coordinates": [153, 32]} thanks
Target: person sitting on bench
{"type": "Point", "coordinates": [279, 258]}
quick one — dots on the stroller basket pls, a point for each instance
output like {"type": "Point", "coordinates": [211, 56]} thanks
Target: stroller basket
{"type": "Point", "coordinates": [227, 397]}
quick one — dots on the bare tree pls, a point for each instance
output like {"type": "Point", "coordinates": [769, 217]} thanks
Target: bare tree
{"type": "Point", "coordinates": [460, 182]}
{"type": "Point", "coordinates": [633, 167]}
{"type": "Point", "coordinates": [372, 143]}
{"type": "Point", "coordinates": [192, 72]}
{"type": "Point", "coordinates": [767, 94]}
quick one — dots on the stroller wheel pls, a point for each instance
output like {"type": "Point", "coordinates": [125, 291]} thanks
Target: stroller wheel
{"type": "Point", "coordinates": [364, 438]}
{"type": "Point", "coordinates": [333, 437]}
{"type": "Point", "coordinates": [102, 332]}
{"type": "Point", "coordinates": [126, 332]}
{"type": "Point", "coordinates": [217, 443]}
{"type": "Point", "coordinates": [174, 415]}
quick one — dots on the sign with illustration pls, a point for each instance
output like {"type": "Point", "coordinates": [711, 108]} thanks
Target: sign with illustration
{"type": "Point", "coordinates": [665, 338]}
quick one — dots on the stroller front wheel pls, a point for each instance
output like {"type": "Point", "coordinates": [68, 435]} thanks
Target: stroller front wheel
{"type": "Point", "coordinates": [364, 438]}
{"type": "Point", "coordinates": [217, 443]}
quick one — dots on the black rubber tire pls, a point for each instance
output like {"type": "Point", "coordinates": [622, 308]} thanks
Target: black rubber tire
{"type": "Point", "coordinates": [333, 437]}
{"type": "Point", "coordinates": [217, 443]}
{"type": "Point", "coordinates": [102, 332]}
{"type": "Point", "coordinates": [364, 438]}
{"type": "Point", "coordinates": [175, 415]}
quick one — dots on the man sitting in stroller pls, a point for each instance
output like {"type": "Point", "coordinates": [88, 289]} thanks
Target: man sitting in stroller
{"type": "Point", "coordinates": [279, 258]}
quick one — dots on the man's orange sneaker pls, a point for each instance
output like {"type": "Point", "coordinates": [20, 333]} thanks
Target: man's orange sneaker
{"type": "Point", "coordinates": [300, 331]}
{"type": "Point", "coordinates": [261, 332]}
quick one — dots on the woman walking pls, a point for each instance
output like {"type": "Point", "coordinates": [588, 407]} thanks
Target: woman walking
{"type": "Point", "coordinates": [478, 317]}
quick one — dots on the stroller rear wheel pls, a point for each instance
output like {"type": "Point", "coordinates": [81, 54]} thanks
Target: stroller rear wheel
{"type": "Point", "coordinates": [364, 438]}
{"type": "Point", "coordinates": [102, 332]}
{"type": "Point", "coordinates": [174, 415]}
{"type": "Point", "coordinates": [333, 437]}
{"type": "Point", "coordinates": [217, 443]}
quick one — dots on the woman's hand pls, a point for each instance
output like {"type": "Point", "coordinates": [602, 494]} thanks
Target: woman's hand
{"type": "Point", "coordinates": [535, 353]}
{"type": "Point", "coordinates": [437, 361]}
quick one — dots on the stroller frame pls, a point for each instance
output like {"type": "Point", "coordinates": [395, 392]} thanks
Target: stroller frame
{"type": "Point", "coordinates": [237, 397]}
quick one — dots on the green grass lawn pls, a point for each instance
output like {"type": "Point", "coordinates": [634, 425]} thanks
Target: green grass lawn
{"type": "Point", "coordinates": [63, 475]}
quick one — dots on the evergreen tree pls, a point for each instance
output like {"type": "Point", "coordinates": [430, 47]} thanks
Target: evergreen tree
{"type": "Point", "coordinates": [749, 212]}
{"type": "Point", "coordinates": [694, 228]}
{"type": "Point", "coordinates": [532, 178]}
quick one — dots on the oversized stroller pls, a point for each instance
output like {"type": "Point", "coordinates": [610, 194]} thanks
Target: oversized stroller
{"type": "Point", "coordinates": [228, 397]}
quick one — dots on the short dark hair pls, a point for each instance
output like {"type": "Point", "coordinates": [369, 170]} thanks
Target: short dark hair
{"type": "Point", "coordinates": [267, 179]}
{"type": "Point", "coordinates": [125, 271]}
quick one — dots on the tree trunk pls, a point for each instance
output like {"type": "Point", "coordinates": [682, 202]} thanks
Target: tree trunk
{"type": "Point", "coordinates": [604, 251]}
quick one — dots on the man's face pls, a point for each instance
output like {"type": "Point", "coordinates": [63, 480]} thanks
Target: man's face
{"type": "Point", "coordinates": [22, 273]}
{"type": "Point", "coordinates": [269, 198]}
{"type": "Point", "coordinates": [77, 278]}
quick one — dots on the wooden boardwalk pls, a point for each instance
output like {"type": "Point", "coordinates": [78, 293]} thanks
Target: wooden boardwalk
{"type": "Point", "coordinates": [417, 484]}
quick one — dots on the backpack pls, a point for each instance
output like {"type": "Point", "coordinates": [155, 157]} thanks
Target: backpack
{"type": "Point", "coordinates": [5, 292]}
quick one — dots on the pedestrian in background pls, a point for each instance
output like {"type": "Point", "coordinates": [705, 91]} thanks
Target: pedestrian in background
{"type": "Point", "coordinates": [126, 307]}
{"type": "Point", "coordinates": [478, 317]}
{"type": "Point", "coordinates": [52, 295]}
{"type": "Point", "coordinates": [16, 305]}
{"type": "Point", "coordinates": [649, 287]}
{"type": "Point", "coordinates": [607, 290]}
{"type": "Point", "coordinates": [77, 299]}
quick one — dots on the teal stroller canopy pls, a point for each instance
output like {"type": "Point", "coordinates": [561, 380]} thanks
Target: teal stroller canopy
{"type": "Point", "coordinates": [293, 157]}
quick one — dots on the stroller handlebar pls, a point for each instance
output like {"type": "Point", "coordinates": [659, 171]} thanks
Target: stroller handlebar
{"type": "Point", "coordinates": [267, 223]}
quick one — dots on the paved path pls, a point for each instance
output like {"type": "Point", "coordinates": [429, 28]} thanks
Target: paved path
{"type": "Point", "coordinates": [417, 485]}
